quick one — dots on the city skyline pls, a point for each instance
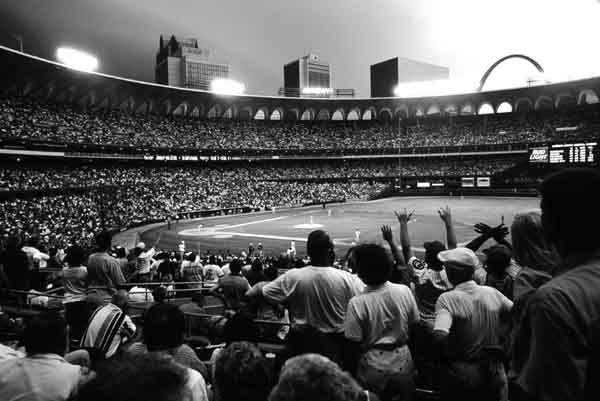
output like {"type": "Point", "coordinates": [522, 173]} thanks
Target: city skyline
{"type": "Point", "coordinates": [258, 39]}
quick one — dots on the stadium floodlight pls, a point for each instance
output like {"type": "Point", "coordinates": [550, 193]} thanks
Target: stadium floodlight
{"type": "Point", "coordinates": [226, 87]}
{"type": "Point", "coordinates": [77, 59]}
{"type": "Point", "coordinates": [317, 91]}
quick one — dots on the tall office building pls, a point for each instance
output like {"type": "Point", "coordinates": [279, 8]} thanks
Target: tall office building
{"type": "Point", "coordinates": [385, 76]}
{"type": "Point", "coordinates": [307, 72]}
{"type": "Point", "coordinates": [181, 62]}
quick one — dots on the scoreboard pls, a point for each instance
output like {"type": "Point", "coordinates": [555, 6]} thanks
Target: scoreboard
{"type": "Point", "coordinates": [564, 153]}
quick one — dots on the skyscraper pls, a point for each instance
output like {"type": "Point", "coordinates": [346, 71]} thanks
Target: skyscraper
{"type": "Point", "coordinates": [307, 72]}
{"type": "Point", "coordinates": [181, 62]}
{"type": "Point", "coordinates": [385, 76]}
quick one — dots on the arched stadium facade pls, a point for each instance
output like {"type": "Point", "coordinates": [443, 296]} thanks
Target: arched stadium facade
{"type": "Point", "coordinates": [32, 76]}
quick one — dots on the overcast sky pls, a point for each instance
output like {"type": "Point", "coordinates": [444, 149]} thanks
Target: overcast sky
{"type": "Point", "coordinates": [258, 37]}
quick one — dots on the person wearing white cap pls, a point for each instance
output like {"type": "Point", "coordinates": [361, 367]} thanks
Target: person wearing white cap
{"type": "Point", "coordinates": [469, 327]}
{"type": "Point", "coordinates": [145, 258]}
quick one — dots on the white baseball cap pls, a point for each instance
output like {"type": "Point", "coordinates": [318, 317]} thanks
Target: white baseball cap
{"type": "Point", "coordinates": [140, 245]}
{"type": "Point", "coordinates": [460, 257]}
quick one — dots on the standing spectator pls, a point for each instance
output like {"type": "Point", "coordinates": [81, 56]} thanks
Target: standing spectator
{"type": "Point", "coordinates": [255, 274]}
{"type": "Point", "coordinates": [38, 260]}
{"type": "Point", "coordinates": [109, 327]}
{"type": "Point", "coordinates": [104, 272]}
{"type": "Point", "coordinates": [497, 262]}
{"type": "Point", "coordinates": [74, 281]}
{"type": "Point", "coordinates": [561, 314]}
{"type": "Point", "coordinates": [469, 327]}
{"type": "Point", "coordinates": [233, 286]}
{"type": "Point", "coordinates": [378, 321]}
{"type": "Point", "coordinates": [145, 259]}
{"type": "Point", "coordinates": [43, 374]}
{"type": "Point", "coordinates": [317, 295]}
{"type": "Point", "coordinates": [211, 271]}
{"type": "Point", "coordinates": [16, 265]}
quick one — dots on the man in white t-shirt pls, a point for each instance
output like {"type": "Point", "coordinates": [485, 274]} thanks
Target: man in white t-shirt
{"type": "Point", "coordinates": [316, 295]}
{"type": "Point", "coordinates": [212, 272]}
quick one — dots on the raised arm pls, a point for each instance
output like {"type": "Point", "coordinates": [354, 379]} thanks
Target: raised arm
{"type": "Point", "coordinates": [388, 237]}
{"type": "Point", "coordinates": [485, 233]}
{"type": "Point", "coordinates": [446, 216]}
{"type": "Point", "coordinates": [403, 218]}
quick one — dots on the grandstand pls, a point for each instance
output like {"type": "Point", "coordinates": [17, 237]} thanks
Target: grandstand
{"type": "Point", "coordinates": [204, 177]}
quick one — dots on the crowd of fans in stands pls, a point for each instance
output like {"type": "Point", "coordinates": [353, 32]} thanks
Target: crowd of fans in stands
{"type": "Point", "coordinates": [202, 179]}
{"type": "Point", "coordinates": [519, 322]}
{"type": "Point", "coordinates": [63, 123]}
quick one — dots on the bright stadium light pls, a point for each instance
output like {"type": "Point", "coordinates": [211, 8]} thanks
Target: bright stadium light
{"type": "Point", "coordinates": [77, 59]}
{"type": "Point", "coordinates": [226, 87]}
{"type": "Point", "coordinates": [317, 91]}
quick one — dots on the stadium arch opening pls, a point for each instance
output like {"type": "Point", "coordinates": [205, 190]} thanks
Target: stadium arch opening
{"type": "Point", "coordinates": [308, 115]}
{"type": "Point", "coordinates": [485, 108]}
{"type": "Point", "coordinates": [504, 107]}
{"type": "Point", "coordinates": [587, 96]}
{"type": "Point", "coordinates": [338, 115]}
{"type": "Point", "coordinates": [276, 115]}
{"type": "Point", "coordinates": [353, 115]}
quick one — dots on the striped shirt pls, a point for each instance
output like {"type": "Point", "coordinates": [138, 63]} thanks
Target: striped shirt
{"type": "Point", "coordinates": [107, 329]}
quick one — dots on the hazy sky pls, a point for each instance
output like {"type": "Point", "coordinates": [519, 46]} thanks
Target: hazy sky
{"type": "Point", "coordinates": [258, 37]}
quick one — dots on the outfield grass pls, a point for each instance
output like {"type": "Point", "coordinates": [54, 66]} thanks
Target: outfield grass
{"type": "Point", "coordinates": [276, 230]}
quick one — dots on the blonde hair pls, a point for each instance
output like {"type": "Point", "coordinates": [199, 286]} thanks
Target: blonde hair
{"type": "Point", "coordinates": [530, 246]}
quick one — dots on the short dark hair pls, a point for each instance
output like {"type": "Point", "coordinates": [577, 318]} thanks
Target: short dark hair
{"type": "Point", "coordinates": [120, 252]}
{"type": "Point", "coordinates": [164, 326]}
{"type": "Point", "coordinates": [159, 293]}
{"type": "Point", "coordinates": [104, 240]}
{"type": "Point", "coordinates": [241, 327]}
{"type": "Point", "coordinates": [75, 256]}
{"type": "Point", "coordinates": [145, 377]}
{"type": "Point", "coordinates": [373, 263]}
{"type": "Point", "coordinates": [319, 246]}
{"type": "Point", "coordinates": [570, 214]}
{"type": "Point", "coordinates": [235, 266]}
{"type": "Point", "coordinates": [242, 373]}
{"type": "Point", "coordinates": [45, 334]}
{"type": "Point", "coordinates": [316, 378]}
{"type": "Point", "coordinates": [271, 273]}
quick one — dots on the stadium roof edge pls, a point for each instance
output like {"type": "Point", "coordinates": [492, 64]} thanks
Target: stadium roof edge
{"type": "Point", "coordinates": [38, 69]}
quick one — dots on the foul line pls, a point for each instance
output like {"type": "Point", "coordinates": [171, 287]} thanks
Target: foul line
{"type": "Point", "coordinates": [253, 222]}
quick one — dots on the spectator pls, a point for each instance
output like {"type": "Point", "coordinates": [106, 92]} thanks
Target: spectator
{"type": "Point", "coordinates": [109, 328]}
{"type": "Point", "coordinates": [163, 331]}
{"type": "Point", "coordinates": [561, 313]}
{"type": "Point", "coordinates": [104, 272]}
{"type": "Point", "coordinates": [242, 374]}
{"type": "Point", "coordinates": [16, 265]}
{"type": "Point", "coordinates": [233, 286]}
{"type": "Point", "coordinates": [312, 377]}
{"type": "Point", "coordinates": [317, 295]}
{"type": "Point", "coordinates": [498, 261]}
{"type": "Point", "coordinates": [74, 277]}
{"type": "Point", "coordinates": [469, 328]}
{"type": "Point", "coordinates": [255, 274]}
{"type": "Point", "coordinates": [377, 322]}
{"type": "Point", "coordinates": [43, 373]}
{"type": "Point", "coordinates": [211, 271]}
{"type": "Point", "coordinates": [146, 377]}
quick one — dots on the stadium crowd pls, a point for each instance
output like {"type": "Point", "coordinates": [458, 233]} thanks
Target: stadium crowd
{"type": "Point", "coordinates": [36, 177]}
{"type": "Point", "coordinates": [63, 123]}
{"type": "Point", "coordinates": [519, 321]}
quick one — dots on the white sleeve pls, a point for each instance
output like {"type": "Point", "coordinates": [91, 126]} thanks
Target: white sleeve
{"type": "Point", "coordinates": [443, 316]}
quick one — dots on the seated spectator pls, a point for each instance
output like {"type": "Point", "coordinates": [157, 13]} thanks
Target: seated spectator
{"type": "Point", "coordinates": [242, 374]}
{"type": "Point", "coordinates": [109, 328]}
{"type": "Point", "coordinates": [377, 322]}
{"type": "Point", "coordinates": [146, 377]}
{"type": "Point", "coordinates": [313, 377]}
{"type": "Point", "coordinates": [233, 286]}
{"type": "Point", "coordinates": [163, 333]}
{"type": "Point", "coordinates": [139, 293]}
{"type": "Point", "coordinates": [317, 295]}
{"type": "Point", "coordinates": [561, 314]}
{"type": "Point", "coordinates": [469, 328]}
{"type": "Point", "coordinates": [43, 374]}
